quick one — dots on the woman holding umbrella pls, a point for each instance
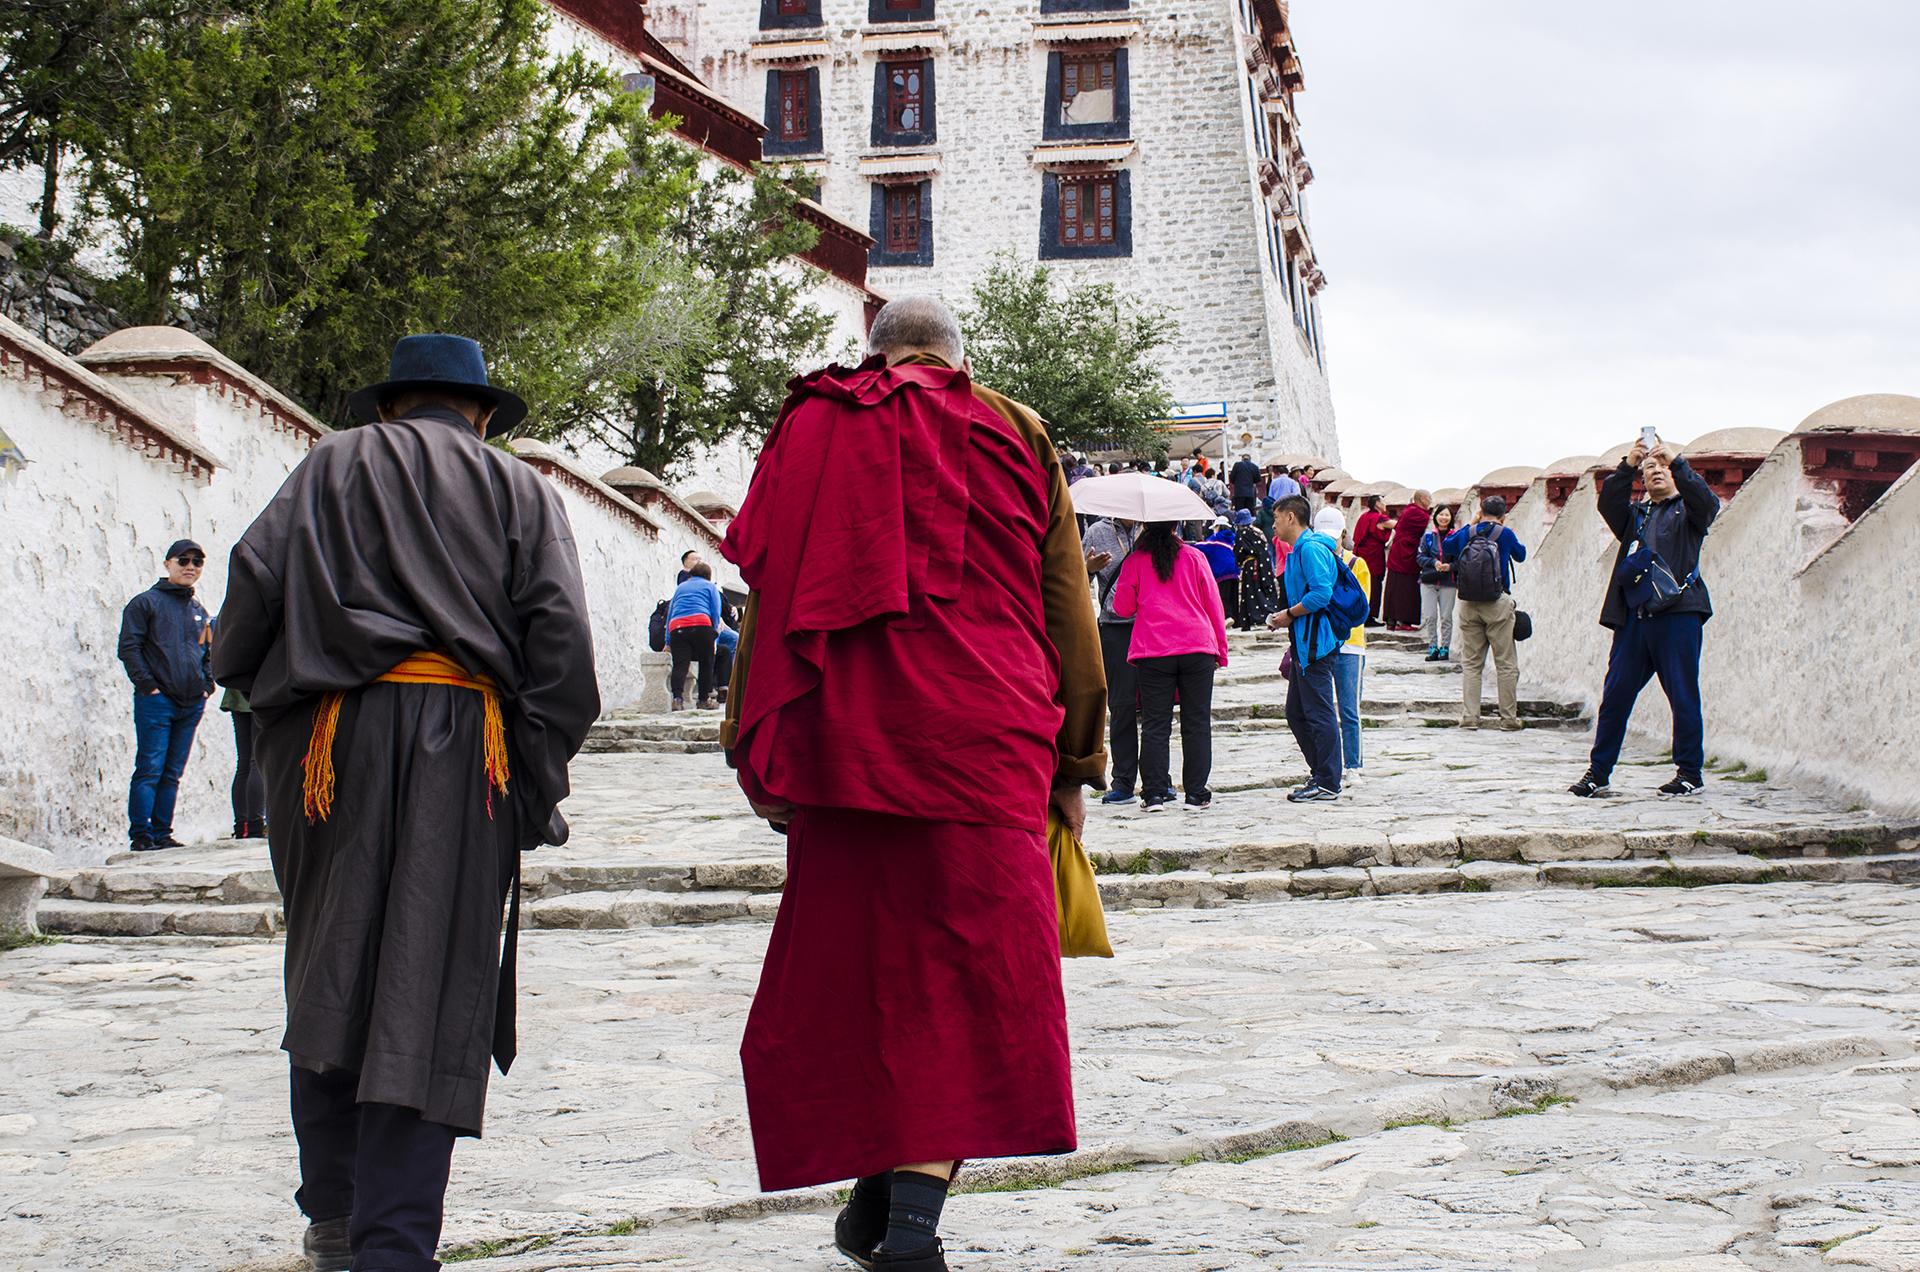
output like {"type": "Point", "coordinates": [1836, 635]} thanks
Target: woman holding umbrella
{"type": "Point", "coordinates": [1179, 629]}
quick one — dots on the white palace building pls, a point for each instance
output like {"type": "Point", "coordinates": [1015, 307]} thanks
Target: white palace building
{"type": "Point", "coordinates": [1150, 144]}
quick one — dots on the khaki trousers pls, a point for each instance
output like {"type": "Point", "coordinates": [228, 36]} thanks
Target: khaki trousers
{"type": "Point", "coordinates": [1485, 625]}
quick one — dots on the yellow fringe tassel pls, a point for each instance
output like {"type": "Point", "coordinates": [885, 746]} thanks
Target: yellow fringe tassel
{"type": "Point", "coordinates": [422, 667]}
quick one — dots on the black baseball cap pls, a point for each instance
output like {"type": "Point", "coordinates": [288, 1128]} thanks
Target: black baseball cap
{"type": "Point", "coordinates": [183, 546]}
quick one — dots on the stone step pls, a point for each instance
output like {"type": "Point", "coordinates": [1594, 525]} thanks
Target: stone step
{"type": "Point", "coordinates": [64, 917]}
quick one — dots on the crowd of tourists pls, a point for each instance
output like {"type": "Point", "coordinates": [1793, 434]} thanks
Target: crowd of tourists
{"type": "Point", "coordinates": [409, 680]}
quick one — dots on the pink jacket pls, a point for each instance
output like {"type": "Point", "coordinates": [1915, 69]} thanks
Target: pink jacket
{"type": "Point", "coordinates": [1180, 616]}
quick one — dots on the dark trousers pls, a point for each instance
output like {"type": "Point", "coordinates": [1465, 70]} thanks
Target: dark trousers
{"type": "Point", "coordinates": [1313, 714]}
{"type": "Point", "coordinates": [691, 645]}
{"type": "Point", "coordinates": [1246, 501]}
{"type": "Point", "coordinates": [249, 788]}
{"type": "Point", "coordinates": [722, 667]}
{"type": "Point", "coordinates": [1230, 599]}
{"type": "Point", "coordinates": [163, 738]}
{"type": "Point", "coordinates": [1663, 645]}
{"type": "Point", "coordinates": [1123, 704]}
{"type": "Point", "coordinates": [379, 1163]}
{"type": "Point", "coordinates": [1191, 677]}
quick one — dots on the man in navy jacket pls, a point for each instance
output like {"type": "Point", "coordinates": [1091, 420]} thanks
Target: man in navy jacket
{"type": "Point", "coordinates": [1673, 521]}
{"type": "Point", "coordinates": [164, 642]}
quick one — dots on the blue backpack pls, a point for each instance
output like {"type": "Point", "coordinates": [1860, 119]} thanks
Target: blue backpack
{"type": "Point", "coordinates": [1350, 604]}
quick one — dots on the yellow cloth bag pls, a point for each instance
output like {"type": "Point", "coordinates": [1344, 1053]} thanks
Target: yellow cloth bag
{"type": "Point", "coordinates": [1083, 924]}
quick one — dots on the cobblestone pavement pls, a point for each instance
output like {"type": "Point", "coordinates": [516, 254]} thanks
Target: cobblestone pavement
{"type": "Point", "coordinates": [1737, 1063]}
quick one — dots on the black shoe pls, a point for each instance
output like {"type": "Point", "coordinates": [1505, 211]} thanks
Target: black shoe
{"type": "Point", "coordinates": [930, 1259]}
{"type": "Point", "coordinates": [1682, 786]}
{"type": "Point", "coordinates": [1312, 793]}
{"type": "Point", "coordinates": [326, 1245]}
{"type": "Point", "coordinates": [1199, 803]}
{"type": "Point", "coordinates": [243, 830]}
{"type": "Point", "coordinates": [167, 841]}
{"type": "Point", "coordinates": [1118, 795]}
{"type": "Point", "coordinates": [1589, 786]}
{"type": "Point", "coordinates": [140, 843]}
{"type": "Point", "coordinates": [257, 829]}
{"type": "Point", "coordinates": [856, 1240]}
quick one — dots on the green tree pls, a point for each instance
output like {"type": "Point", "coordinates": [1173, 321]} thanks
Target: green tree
{"type": "Point", "coordinates": [312, 179]}
{"type": "Point", "coordinates": [1081, 355]}
{"type": "Point", "coordinates": [737, 235]}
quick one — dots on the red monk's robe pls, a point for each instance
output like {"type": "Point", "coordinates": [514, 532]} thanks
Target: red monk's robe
{"type": "Point", "coordinates": [901, 684]}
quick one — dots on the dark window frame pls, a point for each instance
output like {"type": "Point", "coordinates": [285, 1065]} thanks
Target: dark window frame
{"type": "Point", "coordinates": [812, 143]}
{"type": "Point", "coordinates": [929, 110]}
{"type": "Point", "coordinates": [1083, 6]}
{"type": "Point", "coordinates": [1052, 249]}
{"type": "Point", "coordinates": [878, 256]}
{"type": "Point", "coordinates": [1118, 128]}
{"type": "Point", "coordinates": [771, 19]}
{"type": "Point", "coordinates": [877, 12]}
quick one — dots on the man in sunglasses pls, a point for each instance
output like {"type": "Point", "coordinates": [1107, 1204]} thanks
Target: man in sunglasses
{"type": "Point", "coordinates": [164, 642]}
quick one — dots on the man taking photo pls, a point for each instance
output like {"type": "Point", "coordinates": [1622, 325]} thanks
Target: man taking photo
{"type": "Point", "coordinates": [1656, 629]}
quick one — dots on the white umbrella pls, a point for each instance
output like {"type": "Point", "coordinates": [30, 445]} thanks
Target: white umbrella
{"type": "Point", "coordinates": [1138, 497]}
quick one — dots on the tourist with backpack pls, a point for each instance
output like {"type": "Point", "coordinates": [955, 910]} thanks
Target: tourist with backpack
{"type": "Point", "coordinates": [1656, 605]}
{"type": "Point", "coordinates": [1324, 602]}
{"type": "Point", "coordinates": [1482, 556]}
{"type": "Point", "coordinates": [1350, 664]}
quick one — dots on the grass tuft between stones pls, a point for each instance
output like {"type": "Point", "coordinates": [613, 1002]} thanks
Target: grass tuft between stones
{"type": "Point", "coordinates": [19, 938]}
{"type": "Point", "coordinates": [1049, 1178]}
{"type": "Point", "coordinates": [1540, 1105]}
{"type": "Point", "coordinates": [1470, 884]}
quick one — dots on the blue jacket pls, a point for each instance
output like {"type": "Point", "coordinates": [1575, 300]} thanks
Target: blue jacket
{"type": "Point", "coordinates": [695, 596]}
{"type": "Point", "coordinates": [1511, 549]}
{"type": "Point", "coordinates": [1219, 554]}
{"type": "Point", "coordinates": [160, 643]}
{"type": "Point", "coordinates": [1307, 579]}
{"type": "Point", "coordinates": [1429, 555]}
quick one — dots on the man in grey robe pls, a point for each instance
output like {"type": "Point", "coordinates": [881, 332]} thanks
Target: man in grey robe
{"type": "Point", "coordinates": [406, 618]}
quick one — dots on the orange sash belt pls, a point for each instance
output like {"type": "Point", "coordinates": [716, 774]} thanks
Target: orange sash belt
{"type": "Point", "coordinates": [422, 667]}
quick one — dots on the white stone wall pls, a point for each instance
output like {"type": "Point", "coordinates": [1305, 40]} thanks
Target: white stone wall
{"type": "Point", "coordinates": [83, 529]}
{"type": "Point", "coordinates": [1199, 241]}
{"type": "Point", "coordinates": [1807, 667]}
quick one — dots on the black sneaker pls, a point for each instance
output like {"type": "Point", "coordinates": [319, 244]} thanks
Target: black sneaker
{"type": "Point", "coordinates": [1118, 795]}
{"type": "Point", "coordinates": [1312, 793]}
{"type": "Point", "coordinates": [1589, 786]}
{"type": "Point", "coordinates": [167, 841]}
{"type": "Point", "coordinates": [1199, 803]}
{"type": "Point", "coordinates": [140, 843]}
{"type": "Point", "coordinates": [850, 1239]}
{"type": "Point", "coordinates": [1681, 785]}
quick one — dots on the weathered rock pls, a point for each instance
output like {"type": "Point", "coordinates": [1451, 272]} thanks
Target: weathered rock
{"type": "Point", "coordinates": [1622, 873]}
{"type": "Point", "coordinates": [1349, 847]}
{"type": "Point", "coordinates": [1336, 882]}
{"type": "Point", "coordinates": [1389, 880]}
{"type": "Point", "coordinates": [1500, 876]}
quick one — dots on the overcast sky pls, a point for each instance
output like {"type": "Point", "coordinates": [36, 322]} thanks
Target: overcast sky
{"type": "Point", "coordinates": [1545, 225]}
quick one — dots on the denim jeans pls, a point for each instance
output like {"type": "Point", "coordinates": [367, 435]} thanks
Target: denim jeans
{"type": "Point", "coordinates": [163, 735]}
{"type": "Point", "coordinates": [1347, 669]}
{"type": "Point", "coordinates": [1315, 720]}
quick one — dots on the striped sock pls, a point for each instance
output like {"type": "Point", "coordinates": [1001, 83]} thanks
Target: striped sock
{"type": "Point", "coordinates": [914, 1218]}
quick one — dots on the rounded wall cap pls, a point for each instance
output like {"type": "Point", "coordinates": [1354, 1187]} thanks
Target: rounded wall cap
{"type": "Point", "coordinates": [1381, 488]}
{"type": "Point", "coordinates": [1345, 486]}
{"type": "Point", "coordinates": [1870, 412]}
{"type": "Point", "coordinates": [1735, 441]}
{"type": "Point", "coordinates": [1573, 466]}
{"type": "Point", "coordinates": [1611, 457]}
{"type": "Point", "coordinates": [1516, 475]}
{"type": "Point", "coordinates": [1449, 495]}
{"type": "Point", "coordinates": [1399, 497]}
{"type": "Point", "coordinates": [707, 499]}
{"type": "Point", "coordinates": [531, 446]}
{"type": "Point", "coordinates": [1317, 462]}
{"type": "Point", "coordinates": [618, 477]}
{"type": "Point", "coordinates": [147, 342]}
{"type": "Point", "coordinates": [1331, 475]}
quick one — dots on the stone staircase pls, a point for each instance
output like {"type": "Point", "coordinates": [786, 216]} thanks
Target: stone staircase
{"type": "Point", "coordinates": [1439, 811]}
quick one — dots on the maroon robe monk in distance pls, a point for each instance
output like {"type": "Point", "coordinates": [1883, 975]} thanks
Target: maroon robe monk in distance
{"type": "Point", "coordinates": [1400, 601]}
{"type": "Point", "coordinates": [918, 668]}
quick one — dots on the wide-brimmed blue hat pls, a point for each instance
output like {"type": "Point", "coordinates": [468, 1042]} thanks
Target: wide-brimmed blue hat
{"type": "Point", "coordinates": [440, 362]}
{"type": "Point", "coordinates": [1243, 518]}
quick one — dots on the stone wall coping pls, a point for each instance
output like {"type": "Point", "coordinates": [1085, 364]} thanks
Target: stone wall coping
{"type": "Point", "coordinates": [119, 414]}
{"type": "Point", "coordinates": [554, 463]}
{"type": "Point", "coordinates": [171, 351]}
{"type": "Point", "coordinates": [24, 861]}
{"type": "Point", "coordinates": [695, 519]}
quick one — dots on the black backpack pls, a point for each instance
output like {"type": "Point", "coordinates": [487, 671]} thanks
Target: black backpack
{"type": "Point", "coordinates": [657, 628]}
{"type": "Point", "coordinates": [1477, 570]}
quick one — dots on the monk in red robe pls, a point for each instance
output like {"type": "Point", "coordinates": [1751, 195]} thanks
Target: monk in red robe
{"type": "Point", "coordinates": [918, 677]}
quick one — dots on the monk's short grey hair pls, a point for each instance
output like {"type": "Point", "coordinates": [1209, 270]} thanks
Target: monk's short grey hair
{"type": "Point", "coordinates": [917, 322]}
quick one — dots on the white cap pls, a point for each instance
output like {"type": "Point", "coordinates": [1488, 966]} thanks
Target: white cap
{"type": "Point", "coordinates": [1331, 522]}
